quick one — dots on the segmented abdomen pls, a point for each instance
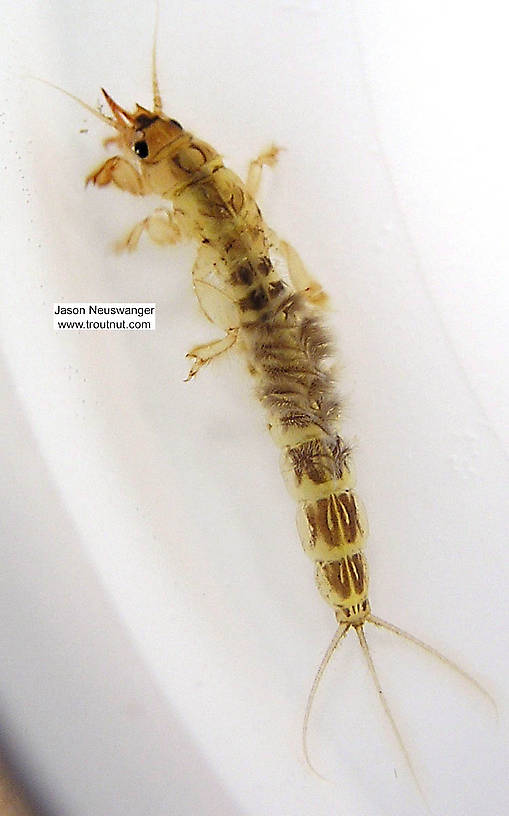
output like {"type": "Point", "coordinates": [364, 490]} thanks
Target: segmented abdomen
{"type": "Point", "coordinates": [288, 351]}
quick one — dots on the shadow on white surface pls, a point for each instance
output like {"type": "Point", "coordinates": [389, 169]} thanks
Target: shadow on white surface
{"type": "Point", "coordinates": [75, 692]}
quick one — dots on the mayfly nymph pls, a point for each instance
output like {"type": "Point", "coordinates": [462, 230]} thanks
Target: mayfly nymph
{"type": "Point", "coordinates": [277, 323]}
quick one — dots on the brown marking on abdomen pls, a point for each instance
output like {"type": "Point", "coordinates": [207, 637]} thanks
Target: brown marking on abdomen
{"type": "Point", "coordinates": [242, 275]}
{"type": "Point", "coordinates": [320, 459]}
{"type": "Point", "coordinates": [255, 301]}
{"type": "Point", "coordinates": [344, 580]}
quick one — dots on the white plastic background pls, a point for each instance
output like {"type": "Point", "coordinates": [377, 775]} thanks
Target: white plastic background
{"type": "Point", "coordinates": [159, 626]}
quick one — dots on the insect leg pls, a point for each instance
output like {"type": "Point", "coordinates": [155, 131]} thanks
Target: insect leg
{"type": "Point", "coordinates": [206, 352]}
{"type": "Point", "coordinates": [162, 227]}
{"type": "Point", "coordinates": [120, 172]}
{"type": "Point", "coordinates": [254, 174]}
{"type": "Point", "coordinates": [299, 275]}
{"type": "Point", "coordinates": [216, 305]}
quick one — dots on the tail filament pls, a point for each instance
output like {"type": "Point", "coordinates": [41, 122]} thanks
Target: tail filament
{"type": "Point", "coordinates": [359, 629]}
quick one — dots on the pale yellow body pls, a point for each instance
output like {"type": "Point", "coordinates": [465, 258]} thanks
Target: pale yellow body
{"type": "Point", "coordinates": [278, 325]}
{"type": "Point", "coordinates": [279, 330]}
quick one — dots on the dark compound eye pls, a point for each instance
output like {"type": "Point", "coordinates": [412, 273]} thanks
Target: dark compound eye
{"type": "Point", "coordinates": [177, 124]}
{"type": "Point", "coordinates": [141, 149]}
